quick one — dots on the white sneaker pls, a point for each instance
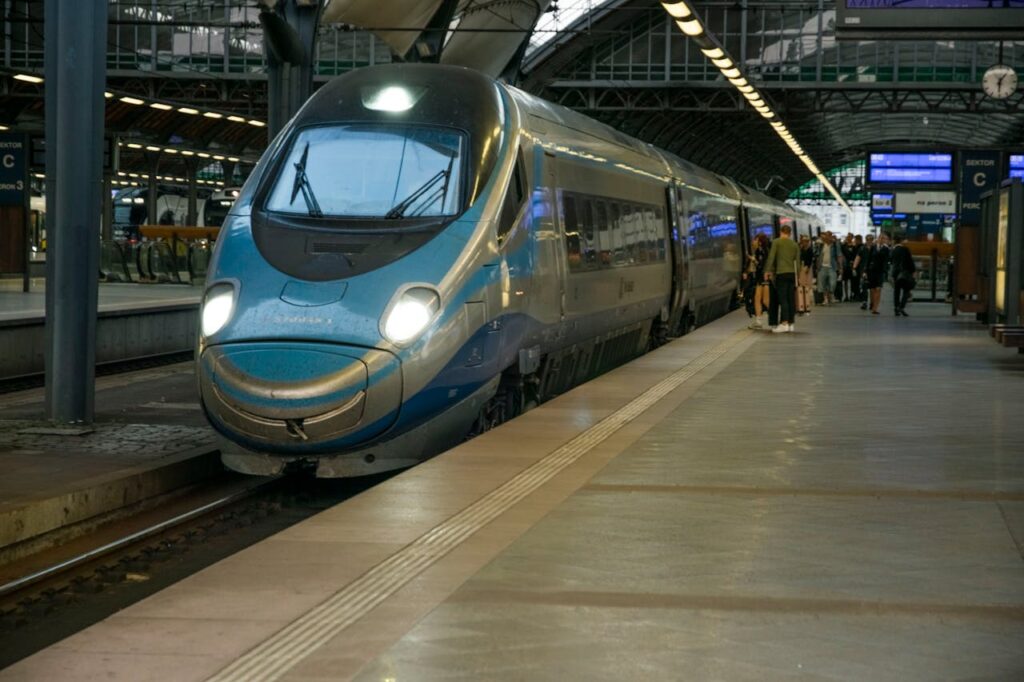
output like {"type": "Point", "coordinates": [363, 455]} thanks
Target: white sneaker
{"type": "Point", "coordinates": [782, 328]}
{"type": "Point", "coordinates": [754, 323]}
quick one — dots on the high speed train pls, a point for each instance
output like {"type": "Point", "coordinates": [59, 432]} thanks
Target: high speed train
{"type": "Point", "coordinates": [424, 252]}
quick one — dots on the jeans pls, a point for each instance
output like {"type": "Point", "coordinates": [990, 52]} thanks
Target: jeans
{"type": "Point", "coordinates": [827, 280]}
{"type": "Point", "coordinates": [785, 290]}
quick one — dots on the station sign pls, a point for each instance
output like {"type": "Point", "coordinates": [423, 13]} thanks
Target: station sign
{"type": "Point", "coordinates": [926, 202]}
{"type": "Point", "coordinates": [979, 173]}
{"type": "Point", "coordinates": [13, 169]}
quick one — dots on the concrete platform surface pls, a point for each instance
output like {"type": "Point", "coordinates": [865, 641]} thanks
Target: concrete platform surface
{"type": "Point", "coordinates": [149, 438]}
{"type": "Point", "coordinates": [841, 503]}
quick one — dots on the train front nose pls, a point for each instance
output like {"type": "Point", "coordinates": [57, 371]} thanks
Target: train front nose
{"type": "Point", "coordinates": [277, 396]}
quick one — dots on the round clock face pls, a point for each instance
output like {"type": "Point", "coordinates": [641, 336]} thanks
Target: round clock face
{"type": "Point", "coordinates": [1000, 81]}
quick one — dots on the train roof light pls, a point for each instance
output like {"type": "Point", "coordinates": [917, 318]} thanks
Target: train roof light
{"type": "Point", "coordinates": [392, 98]}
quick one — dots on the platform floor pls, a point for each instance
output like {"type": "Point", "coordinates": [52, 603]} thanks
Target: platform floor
{"type": "Point", "coordinates": [842, 503]}
{"type": "Point", "coordinates": [18, 305]}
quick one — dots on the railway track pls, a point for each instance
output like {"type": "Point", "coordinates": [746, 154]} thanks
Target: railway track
{"type": "Point", "coordinates": [30, 381]}
{"type": "Point", "coordinates": [64, 592]}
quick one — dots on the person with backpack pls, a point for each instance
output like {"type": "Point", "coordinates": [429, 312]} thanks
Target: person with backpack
{"type": "Point", "coordinates": [903, 277]}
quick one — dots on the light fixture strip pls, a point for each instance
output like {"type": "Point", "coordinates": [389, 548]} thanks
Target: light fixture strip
{"type": "Point", "coordinates": [686, 19]}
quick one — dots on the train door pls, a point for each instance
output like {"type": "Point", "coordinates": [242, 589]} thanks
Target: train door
{"type": "Point", "coordinates": [676, 212]}
{"type": "Point", "coordinates": [551, 265]}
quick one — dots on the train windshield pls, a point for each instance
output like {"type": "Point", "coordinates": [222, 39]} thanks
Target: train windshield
{"type": "Point", "coordinates": [372, 171]}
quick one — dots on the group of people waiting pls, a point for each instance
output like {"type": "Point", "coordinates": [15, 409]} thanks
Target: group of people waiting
{"type": "Point", "coordinates": [782, 275]}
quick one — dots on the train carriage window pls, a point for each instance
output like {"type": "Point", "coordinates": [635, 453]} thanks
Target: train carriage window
{"type": "Point", "coordinates": [604, 236]}
{"type": "Point", "coordinates": [514, 198]}
{"type": "Point", "coordinates": [570, 225]}
{"type": "Point", "coordinates": [638, 241]}
{"type": "Point", "coordinates": [651, 235]}
{"type": "Point", "coordinates": [618, 252]}
{"type": "Point", "coordinates": [588, 235]}
{"type": "Point", "coordinates": [659, 236]}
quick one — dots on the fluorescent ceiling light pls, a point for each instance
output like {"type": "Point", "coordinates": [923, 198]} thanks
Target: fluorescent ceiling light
{"type": "Point", "coordinates": [679, 10]}
{"type": "Point", "coordinates": [731, 73]}
{"type": "Point", "coordinates": [713, 53]}
{"type": "Point", "coordinates": [258, 124]}
{"type": "Point", "coordinates": [188, 110]}
{"type": "Point", "coordinates": [27, 78]}
{"type": "Point", "coordinates": [132, 100]}
{"type": "Point", "coordinates": [690, 28]}
{"type": "Point", "coordinates": [236, 119]}
{"type": "Point", "coordinates": [161, 106]}
{"type": "Point", "coordinates": [212, 114]}
{"type": "Point", "coordinates": [723, 63]}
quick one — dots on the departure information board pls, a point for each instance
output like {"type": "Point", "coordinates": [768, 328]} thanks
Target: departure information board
{"type": "Point", "coordinates": [1016, 166]}
{"type": "Point", "coordinates": [922, 19]}
{"type": "Point", "coordinates": [908, 168]}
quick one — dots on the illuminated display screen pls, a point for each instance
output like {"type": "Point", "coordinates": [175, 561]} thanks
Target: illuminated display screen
{"type": "Point", "coordinates": [929, 19]}
{"type": "Point", "coordinates": [910, 168]}
{"type": "Point", "coordinates": [933, 4]}
{"type": "Point", "coordinates": [1016, 165]}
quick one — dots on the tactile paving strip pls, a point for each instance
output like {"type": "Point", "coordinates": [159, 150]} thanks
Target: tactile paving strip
{"type": "Point", "coordinates": [278, 654]}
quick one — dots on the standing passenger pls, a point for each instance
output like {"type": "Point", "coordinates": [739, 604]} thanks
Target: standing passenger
{"type": "Point", "coordinates": [857, 271]}
{"type": "Point", "coordinates": [762, 292]}
{"type": "Point", "coordinates": [805, 280]}
{"type": "Point", "coordinates": [849, 250]}
{"type": "Point", "coordinates": [878, 266]}
{"type": "Point", "coordinates": [781, 268]}
{"type": "Point", "coordinates": [903, 269]}
{"type": "Point", "coordinates": [828, 267]}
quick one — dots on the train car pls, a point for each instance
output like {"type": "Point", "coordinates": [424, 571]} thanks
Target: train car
{"type": "Point", "coordinates": [424, 252]}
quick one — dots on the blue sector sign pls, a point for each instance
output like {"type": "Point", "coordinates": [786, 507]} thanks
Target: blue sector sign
{"type": "Point", "coordinates": [12, 169]}
{"type": "Point", "coordinates": [979, 173]}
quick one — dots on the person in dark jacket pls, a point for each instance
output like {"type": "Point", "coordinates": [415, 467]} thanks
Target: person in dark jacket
{"type": "Point", "coordinates": [903, 277]}
{"type": "Point", "coordinates": [875, 269]}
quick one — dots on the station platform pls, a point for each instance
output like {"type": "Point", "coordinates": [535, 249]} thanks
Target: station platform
{"type": "Point", "coordinates": [134, 321]}
{"type": "Point", "coordinates": [845, 502]}
{"type": "Point", "coordinates": [16, 305]}
{"type": "Point", "coordinates": [149, 439]}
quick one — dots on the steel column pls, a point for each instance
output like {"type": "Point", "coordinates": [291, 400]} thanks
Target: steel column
{"type": "Point", "coordinates": [290, 83]}
{"type": "Point", "coordinates": [75, 50]}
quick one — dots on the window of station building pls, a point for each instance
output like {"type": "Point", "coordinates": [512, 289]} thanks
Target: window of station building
{"type": "Point", "coordinates": [514, 198]}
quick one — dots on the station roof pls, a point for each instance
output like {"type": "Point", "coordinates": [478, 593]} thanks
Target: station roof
{"type": "Point", "coordinates": [620, 61]}
{"type": "Point", "coordinates": [624, 62]}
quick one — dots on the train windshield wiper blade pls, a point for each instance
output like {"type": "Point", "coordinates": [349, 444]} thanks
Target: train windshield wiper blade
{"type": "Point", "coordinates": [302, 183]}
{"type": "Point", "coordinates": [399, 209]}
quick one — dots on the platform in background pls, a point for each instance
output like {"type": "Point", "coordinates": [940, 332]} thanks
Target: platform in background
{"type": "Point", "coordinates": [18, 305]}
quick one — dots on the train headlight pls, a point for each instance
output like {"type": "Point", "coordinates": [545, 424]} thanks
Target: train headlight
{"type": "Point", "coordinates": [410, 314]}
{"type": "Point", "coordinates": [217, 308]}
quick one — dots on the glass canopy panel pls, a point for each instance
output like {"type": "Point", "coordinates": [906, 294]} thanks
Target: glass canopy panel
{"type": "Point", "coordinates": [551, 24]}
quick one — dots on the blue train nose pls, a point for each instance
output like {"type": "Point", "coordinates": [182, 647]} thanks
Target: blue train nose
{"type": "Point", "coordinates": [281, 394]}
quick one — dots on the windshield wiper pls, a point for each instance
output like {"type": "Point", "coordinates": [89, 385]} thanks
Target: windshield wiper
{"type": "Point", "coordinates": [302, 183]}
{"type": "Point", "coordinates": [399, 209]}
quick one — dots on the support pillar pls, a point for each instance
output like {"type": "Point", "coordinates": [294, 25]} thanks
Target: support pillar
{"type": "Point", "coordinates": [290, 37]}
{"type": "Point", "coordinates": [152, 192]}
{"type": "Point", "coordinates": [193, 198]}
{"type": "Point", "coordinates": [75, 52]}
{"type": "Point", "coordinates": [107, 232]}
